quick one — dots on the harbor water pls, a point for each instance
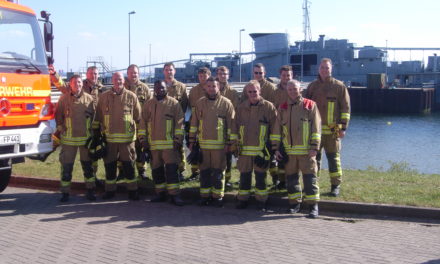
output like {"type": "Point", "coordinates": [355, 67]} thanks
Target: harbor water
{"type": "Point", "coordinates": [381, 140]}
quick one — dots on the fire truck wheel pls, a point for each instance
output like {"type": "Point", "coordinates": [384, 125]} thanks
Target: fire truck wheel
{"type": "Point", "coordinates": [5, 175]}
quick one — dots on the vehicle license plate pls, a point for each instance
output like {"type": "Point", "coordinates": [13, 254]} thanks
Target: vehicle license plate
{"type": "Point", "coordinates": [9, 139]}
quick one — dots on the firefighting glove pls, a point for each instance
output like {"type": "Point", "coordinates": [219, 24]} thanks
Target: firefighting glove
{"type": "Point", "coordinates": [186, 128]}
{"type": "Point", "coordinates": [147, 155]}
{"type": "Point", "coordinates": [194, 156]}
{"type": "Point", "coordinates": [285, 158]}
{"type": "Point", "coordinates": [234, 149]}
{"type": "Point", "coordinates": [177, 145]}
{"type": "Point", "coordinates": [56, 139]}
{"type": "Point", "coordinates": [145, 149]}
{"type": "Point", "coordinates": [262, 160]}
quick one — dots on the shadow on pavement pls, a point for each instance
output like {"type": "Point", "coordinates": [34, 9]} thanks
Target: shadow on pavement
{"type": "Point", "coordinates": [142, 213]}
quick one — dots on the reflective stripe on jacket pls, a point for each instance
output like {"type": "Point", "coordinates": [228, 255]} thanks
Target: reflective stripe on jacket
{"type": "Point", "coordinates": [333, 102]}
{"type": "Point", "coordinates": [255, 125]}
{"type": "Point", "coordinates": [74, 116]}
{"type": "Point", "coordinates": [212, 122]}
{"type": "Point", "coordinates": [162, 123]}
{"type": "Point", "coordinates": [118, 115]}
{"type": "Point", "coordinates": [300, 126]}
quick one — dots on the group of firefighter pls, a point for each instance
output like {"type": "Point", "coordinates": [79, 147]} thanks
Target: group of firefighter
{"type": "Point", "coordinates": [276, 129]}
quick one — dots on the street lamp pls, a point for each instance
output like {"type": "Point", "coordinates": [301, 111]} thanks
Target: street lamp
{"type": "Point", "coordinates": [239, 55]}
{"type": "Point", "coordinates": [129, 37]}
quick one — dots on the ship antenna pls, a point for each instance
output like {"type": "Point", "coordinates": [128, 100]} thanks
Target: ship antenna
{"type": "Point", "coordinates": [307, 32]}
{"type": "Point", "coordinates": [306, 22]}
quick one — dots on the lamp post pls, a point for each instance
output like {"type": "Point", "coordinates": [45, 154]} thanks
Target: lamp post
{"type": "Point", "coordinates": [129, 37]}
{"type": "Point", "coordinates": [239, 55]}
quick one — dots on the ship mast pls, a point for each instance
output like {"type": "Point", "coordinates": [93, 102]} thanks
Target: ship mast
{"type": "Point", "coordinates": [307, 32]}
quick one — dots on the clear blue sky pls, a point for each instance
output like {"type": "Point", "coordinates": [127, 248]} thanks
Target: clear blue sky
{"type": "Point", "coordinates": [175, 28]}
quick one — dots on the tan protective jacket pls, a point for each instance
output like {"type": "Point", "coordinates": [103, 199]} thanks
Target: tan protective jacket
{"type": "Point", "coordinates": [117, 115]}
{"type": "Point", "coordinates": [195, 94]}
{"type": "Point", "coordinates": [211, 123]}
{"type": "Point", "coordinates": [162, 123]}
{"type": "Point", "coordinates": [141, 90]}
{"type": "Point", "coordinates": [333, 102]}
{"type": "Point", "coordinates": [74, 117]}
{"type": "Point", "coordinates": [280, 96]}
{"type": "Point", "coordinates": [177, 90]}
{"type": "Point", "coordinates": [231, 94]}
{"type": "Point", "coordinates": [254, 125]}
{"type": "Point", "coordinates": [300, 126]}
{"type": "Point", "coordinates": [267, 90]}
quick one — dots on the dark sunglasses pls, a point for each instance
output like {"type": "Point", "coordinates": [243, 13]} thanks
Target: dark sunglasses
{"type": "Point", "coordinates": [258, 72]}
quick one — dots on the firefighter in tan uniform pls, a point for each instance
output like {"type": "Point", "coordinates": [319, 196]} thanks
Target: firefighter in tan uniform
{"type": "Point", "coordinates": [280, 96]}
{"type": "Point", "coordinates": [227, 91]}
{"type": "Point", "coordinates": [161, 131]}
{"type": "Point", "coordinates": [117, 116]}
{"type": "Point", "coordinates": [143, 94]}
{"type": "Point", "coordinates": [333, 102]}
{"type": "Point", "coordinates": [301, 133]}
{"type": "Point", "coordinates": [74, 116]}
{"type": "Point", "coordinates": [177, 90]}
{"type": "Point", "coordinates": [255, 124]}
{"type": "Point", "coordinates": [211, 125]}
{"type": "Point", "coordinates": [195, 94]}
{"type": "Point", "coordinates": [267, 88]}
{"type": "Point", "coordinates": [91, 85]}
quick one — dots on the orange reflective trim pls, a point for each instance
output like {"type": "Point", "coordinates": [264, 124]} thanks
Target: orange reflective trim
{"type": "Point", "coordinates": [19, 85]}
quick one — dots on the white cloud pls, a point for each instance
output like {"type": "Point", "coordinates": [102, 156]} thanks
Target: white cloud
{"type": "Point", "coordinates": [86, 35]}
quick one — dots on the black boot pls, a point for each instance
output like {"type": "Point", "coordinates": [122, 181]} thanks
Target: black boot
{"type": "Point", "coordinates": [335, 190]}
{"type": "Point", "coordinates": [90, 195]}
{"type": "Point", "coordinates": [242, 204]}
{"type": "Point", "coordinates": [294, 208]}
{"type": "Point", "coordinates": [160, 197]}
{"type": "Point", "coordinates": [204, 201]}
{"type": "Point", "coordinates": [313, 211]}
{"type": "Point", "coordinates": [177, 200]}
{"type": "Point", "coordinates": [133, 195]}
{"type": "Point", "coordinates": [64, 197]}
{"type": "Point", "coordinates": [261, 206]}
{"type": "Point", "coordinates": [218, 202]}
{"type": "Point", "coordinates": [108, 195]}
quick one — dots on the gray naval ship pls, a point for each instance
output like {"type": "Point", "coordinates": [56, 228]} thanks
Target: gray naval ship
{"type": "Point", "coordinates": [358, 67]}
{"type": "Point", "coordinates": [351, 64]}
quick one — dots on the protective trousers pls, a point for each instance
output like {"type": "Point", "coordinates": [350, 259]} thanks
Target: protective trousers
{"type": "Point", "coordinates": [246, 165]}
{"type": "Point", "coordinates": [126, 153]}
{"type": "Point", "coordinates": [308, 167]}
{"type": "Point", "coordinates": [212, 182]}
{"type": "Point", "coordinates": [165, 171]}
{"type": "Point", "coordinates": [332, 149]}
{"type": "Point", "coordinates": [67, 160]}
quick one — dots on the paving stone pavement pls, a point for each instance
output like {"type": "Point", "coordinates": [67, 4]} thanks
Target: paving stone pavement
{"type": "Point", "coordinates": [36, 228]}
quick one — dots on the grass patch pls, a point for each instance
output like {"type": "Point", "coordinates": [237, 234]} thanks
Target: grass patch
{"type": "Point", "coordinates": [398, 185]}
